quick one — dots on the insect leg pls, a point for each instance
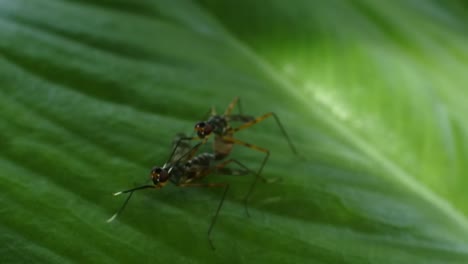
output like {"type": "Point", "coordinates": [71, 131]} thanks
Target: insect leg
{"type": "Point", "coordinates": [215, 217]}
{"type": "Point", "coordinates": [257, 175]}
{"type": "Point", "coordinates": [263, 117]}
{"type": "Point", "coordinates": [231, 106]}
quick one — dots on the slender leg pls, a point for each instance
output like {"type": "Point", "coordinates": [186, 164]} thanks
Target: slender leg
{"type": "Point", "coordinates": [222, 165]}
{"type": "Point", "coordinates": [215, 217]}
{"type": "Point", "coordinates": [221, 168]}
{"type": "Point", "coordinates": [257, 175]}
{"type": "Point", "coordinates": [263, 117]}
{"type": "Point", "coordinates": [213, 220]}
{"type": "Point", "coordinates": [218, 167]}
{"type": "Point", "coordinates": [231, 106]}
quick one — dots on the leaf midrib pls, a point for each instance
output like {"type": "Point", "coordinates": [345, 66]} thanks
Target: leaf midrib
{"type": "Point", "coordinates": [393, 171]}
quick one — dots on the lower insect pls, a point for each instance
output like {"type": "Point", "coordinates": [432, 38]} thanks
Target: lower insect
{"type": "Point", "coordinates": [185, 169]}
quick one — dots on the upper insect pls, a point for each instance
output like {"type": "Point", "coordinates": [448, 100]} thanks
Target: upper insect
{"type": "Point", "coordinates": [220, 125]}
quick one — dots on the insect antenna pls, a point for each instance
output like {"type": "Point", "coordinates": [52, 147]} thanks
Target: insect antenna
{"type": "Point", "coordinates": [126, 200]}
{"type": "Point", "coordinates": [188, 154]}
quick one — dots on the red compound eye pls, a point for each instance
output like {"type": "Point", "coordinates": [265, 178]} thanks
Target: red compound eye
{"type": "Point", "coordinates": [159, 175]}
{"type": "Point", "coordinates": [203, 129]}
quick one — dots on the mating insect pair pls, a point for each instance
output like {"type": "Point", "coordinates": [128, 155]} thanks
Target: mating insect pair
{"type": "Point", "coordinates": [185, 169]}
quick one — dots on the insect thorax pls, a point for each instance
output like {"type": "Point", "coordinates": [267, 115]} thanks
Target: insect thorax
{"type": "Point", "coordinates": [198, 167]}
{"type": "Point", "coordinates": [219, 123]}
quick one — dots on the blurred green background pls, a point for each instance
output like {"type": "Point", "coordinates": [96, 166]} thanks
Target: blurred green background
{"type": "Point", "coordinates": [373, 94]}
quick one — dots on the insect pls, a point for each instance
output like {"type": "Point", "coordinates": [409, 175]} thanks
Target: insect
{"type": "Point", "coordinates": [185, 169]}
{"type": "Point", "coordinates": [181, 152]}
{"type": "Point", "coordinates": [224, 141]}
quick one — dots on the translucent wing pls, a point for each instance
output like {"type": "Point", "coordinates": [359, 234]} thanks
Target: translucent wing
{"type": "Point", "coordinates": [181, 150]}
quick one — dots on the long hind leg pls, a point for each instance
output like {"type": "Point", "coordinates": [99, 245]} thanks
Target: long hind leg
{"type": "Point", "coordinates": [215, 217]}
{"type": "Point", "coordinates": [260, 119]}
{"type": "Point", "coordinates": [258, 173]}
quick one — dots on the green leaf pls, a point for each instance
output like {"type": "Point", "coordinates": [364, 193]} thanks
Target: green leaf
{"type": "Point", "coordinates": [372, 94]}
